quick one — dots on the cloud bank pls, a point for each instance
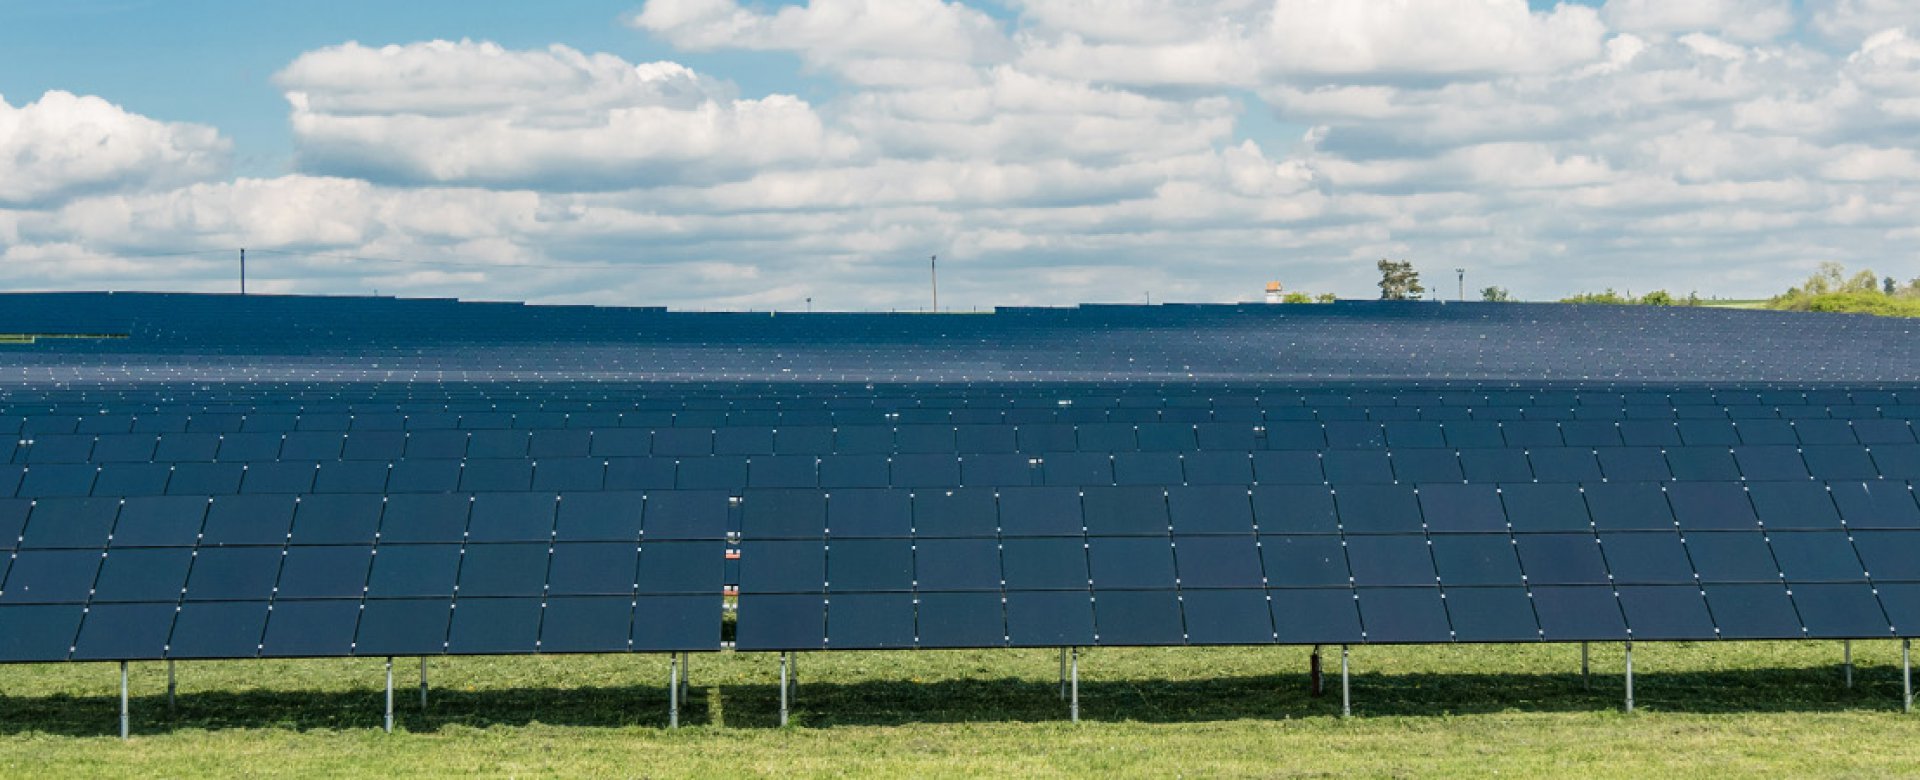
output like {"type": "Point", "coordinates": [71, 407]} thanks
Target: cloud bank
{"type": "Point", "coordinates": [1077, 151]}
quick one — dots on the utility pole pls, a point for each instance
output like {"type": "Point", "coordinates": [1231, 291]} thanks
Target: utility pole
{"type": "Point", "coordinates": [933, 268]}
{"type": "Point", "coordinates": [1462, 274]}
{"type": "Point", "coordinates": [809, 304]}
{"type": "Point", "coordinates": [243, 271]}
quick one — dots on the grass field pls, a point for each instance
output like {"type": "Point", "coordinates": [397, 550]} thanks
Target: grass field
{"type": "Point", "coordinates": [1729, 709]}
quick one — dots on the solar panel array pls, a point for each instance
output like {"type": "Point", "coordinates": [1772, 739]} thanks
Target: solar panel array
{"type": "Point", "coordinates": [381, 477]}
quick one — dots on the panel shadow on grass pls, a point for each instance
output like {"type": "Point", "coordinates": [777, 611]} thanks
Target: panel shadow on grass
{"type": "Point", "coordinates": [828, 704]}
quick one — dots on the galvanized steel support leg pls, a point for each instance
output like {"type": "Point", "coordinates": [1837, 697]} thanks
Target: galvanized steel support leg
{"type": "Point", "coordinates": [123, 699]}
{"type": "Point", "coordinates": [170, 685]}
{"type": "Point", "coordinates": [1906, 675]}
{"type": "Point", "coordinates": [673, 690]}
{"type": "Point", "coordinates": [1346, 686]}
{"type": "Point", "coordinates": [1629, 676]}
{"type": "Point", "coordinates": [1846, 660]}
{"type": "Point", "coordinates": [389, 719]}
{"type": "Point", "coordinates": [1586, 669]}
{"type": "Point", "coordinates": [784, 663]}
{"type": "Point", "coordinates": [1063, 674]}
{"type": "Point", "coordinates": [1073, 709]}
{"type": "Point", "coordinates": [423, 683]}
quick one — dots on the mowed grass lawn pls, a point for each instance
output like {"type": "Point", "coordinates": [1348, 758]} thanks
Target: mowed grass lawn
{"type": "Point", "coordinates": [1709, 709]}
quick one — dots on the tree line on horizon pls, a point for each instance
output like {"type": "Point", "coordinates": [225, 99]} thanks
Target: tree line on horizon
{"type": "Point", "coordinates": [1830, 289]}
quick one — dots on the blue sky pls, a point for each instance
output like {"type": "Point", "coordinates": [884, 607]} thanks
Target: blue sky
{"type": "Point", "coordinates": [733, 155]}
{"type": "Point", "coordinates": [212, 61]}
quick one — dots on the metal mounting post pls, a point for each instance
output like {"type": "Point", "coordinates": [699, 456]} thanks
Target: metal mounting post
{"type": "Point", "coordinates": [784, 663]}
{"type": "Point", "coordinates": [1906, 675]}
{"type": "Point", "coordinates": [1846, 660]}
{"type": "Point", "coordinates": [1346, 686]}
{"type": "Point", "coordinates": [1073, 709]}
{"type": "Point", "coordinates": [389, 720]}
{"type": "Point", "coordinates": [1313, 672]}
{"type": "Point", "coordinates": [673, 690]}
{"type": "Point", "coordinates": [1629, 677]}
{"type": "Point", "coordinates": [123, 699]}
{"type": "Point", "coordinates": [1586, 669]}
{"type": "Point", "coordinates": [170, 685]}
{"type": "Point", "coordinates": [423, 683]}
{"type": "Point", "coordinates": [1063, 674]}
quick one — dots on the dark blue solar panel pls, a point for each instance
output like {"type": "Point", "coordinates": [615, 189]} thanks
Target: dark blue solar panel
{"type": "Point", "coordinates": [1037, 511]}
{"type": "Point", "coordinates": [494, 625]}
{"type": "Point", "coordinates": [870, 621]}
{"type": "Point", "coordinates": [1578, 613]}
{"type": "Point", "coordinates": [1491, 614]}
{"type": "Point", "coordinates": [1356, 467]}
{"type": "Point", "coordinates": [1628, 506]}
{"type": "Point", "coordinates": [124, 632]}
{"type": "Point", "coordinates": [961, 620]}
{"type": "Point", "coordinates": [955, 513]}
{"type": "Point", "coordinates": [155, 574]}
{"type": "Point", "coordinates": [229, 629]}
{"type": "Point", "coordinates": [1666, 612]}
{"type": "Point", "coordinates": [1368, 509]}
{"type": "Point", "coordinates": [1390, 560]}
{"type": "Point", "coordinates": [870, 565]}
{"type": "Point", "coordinates": [248, 520]}
{"type": "Point", "coordinates": [1050, 618]}
{"type": "Point", "coordinates": [586, 624]}
{"type": "Point", "coordinates": [1304, 561]}
{"type": "Point", "coordinates": [1044, 563]}
{"type": "Point", "coordinates": [38, 632]}
{"type": "Point", "coordinates": [1841, 611]}
{"type": "Point", "coordinates": [50, 577]}
{"type": "Point", "coordinates": [777, 622]}
{"type": "Point", "coordinates": [1647, 558]}
{"type": "Point", "coordinates": [1475, 559]}
{"type": "Point", "coordinates": [403, 627]}
{"type": "Point", "coordinates": [1732, 556]}
{"type": "Point", "coordinates": [1404, 615]}
{"type": "Point", "coordinates": [1753, 611]}
{"type": "Point", "coordinates": [1889, 555]}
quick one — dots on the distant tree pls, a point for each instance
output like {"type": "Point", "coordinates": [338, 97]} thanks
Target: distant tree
{"type": "Point", "coordinates": [1495, 295]}
{"type": "Point", "coordinates": [1889, 286]}
{"type": "Point", "coordinates": [1398, 280]}
{"type": "Point", "coordinates": [1656, 298]}
{"type": "Point", "coordinates": [1608, 297]}
{"type": "Point", "coordinates": [1324, 298]}
{"type": "Point", "coordinates": [1297, 297]}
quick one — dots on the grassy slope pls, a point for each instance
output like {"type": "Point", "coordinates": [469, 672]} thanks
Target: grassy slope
{"type": "Point", "coordinates": [1724, 708]}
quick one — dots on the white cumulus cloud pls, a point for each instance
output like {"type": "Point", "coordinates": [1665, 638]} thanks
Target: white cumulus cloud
{"type": "Point", "coordinates": [475, 113]}
{"type": "Point", "coordinates": [65, 144]}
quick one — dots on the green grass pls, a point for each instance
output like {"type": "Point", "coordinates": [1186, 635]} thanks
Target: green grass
{"type": "Point", "coordinates": [1729, 709]}
{"type": "Point", "coordinates": [29, 338]}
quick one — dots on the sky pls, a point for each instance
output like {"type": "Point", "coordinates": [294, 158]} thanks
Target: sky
{"type": "Point", "coordinates": [719, 154]}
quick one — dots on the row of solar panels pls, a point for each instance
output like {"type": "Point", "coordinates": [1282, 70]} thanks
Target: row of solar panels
{"type": "Point", "coordinates": [920, 439]}
{"type": "Point", "coordinates": [130, 418]}
{"type": "Point", "coordinates": [428, 395]}
{"type": "Point", "coordinates": [272, 520]}
{"type": "Point", "coordinates": [610, 624]}
{"type": "Point", "coordinates": [1339, 467]}
{"type": "Point", "coordinates": [403, 569]}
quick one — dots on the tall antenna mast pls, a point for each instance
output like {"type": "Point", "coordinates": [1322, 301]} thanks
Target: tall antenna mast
{"type": "Point", "coordinates": [933, 269]}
